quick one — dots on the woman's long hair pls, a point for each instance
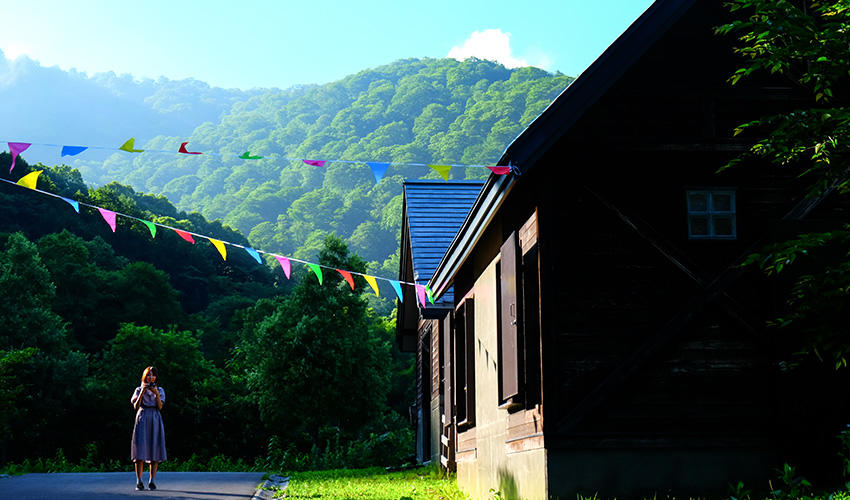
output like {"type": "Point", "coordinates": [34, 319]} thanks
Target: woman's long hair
{"type": "Point", "coordinates": [152, 371]}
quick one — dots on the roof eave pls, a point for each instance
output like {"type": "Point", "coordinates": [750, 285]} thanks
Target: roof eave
{"type": "Point", "coordinates": [552, 124]}
{"type": "Point", "coordinates": [592, 83]}
{"type": "Point", "coordinates": [482, 212]}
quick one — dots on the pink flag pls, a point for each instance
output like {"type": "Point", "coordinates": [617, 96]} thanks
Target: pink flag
{"type": "Point", "coordinates": [186, 236]}
{"type": "Point", "coordinates": [108, 216]}
{"type": "Point", "coordinates": [17, 148]}
{"type": "Point", "coordinates": [347, 276]}
{"type": "Point", "coordinates": [284, 264]}
{"type": "Point", "coordinates": [315, 163]}
{"type": "Point", "coordinates": [183, 149]}
{"type": "Point", "coordinates": [420, 292]}
{"type": "Point", "coordinates": [500, 170]}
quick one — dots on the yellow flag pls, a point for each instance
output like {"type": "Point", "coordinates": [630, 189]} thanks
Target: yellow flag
{"type": "Point", "coordinates": [220, 247]}
{"type": "Point", "coordinates": [29, 180]}
{"type": "Point", "coordinates": [130, 145]}
{"type": "Point", "coordinates": [373, 283]}
{"type": "Point", "coordinates": [443, 170]}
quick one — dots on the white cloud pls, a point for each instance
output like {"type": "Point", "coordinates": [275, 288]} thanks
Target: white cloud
{"type": "Point", "coordinates": [13, 51]}
{"type": "Point", "coordinates": [493, 45]}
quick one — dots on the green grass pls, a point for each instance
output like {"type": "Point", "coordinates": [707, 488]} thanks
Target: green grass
{"type": "Point", "coordinates": [374, 483]}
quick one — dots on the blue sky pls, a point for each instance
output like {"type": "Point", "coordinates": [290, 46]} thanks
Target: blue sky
{"type": "Point", "coordinates": [268, 43]}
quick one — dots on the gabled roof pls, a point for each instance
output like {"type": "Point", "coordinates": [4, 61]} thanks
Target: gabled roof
{"type": "Point", "coordinates": [555, 121]}
{"type": "Point", "coordinates": [434, 211]}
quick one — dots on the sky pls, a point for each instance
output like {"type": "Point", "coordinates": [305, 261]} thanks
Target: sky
{"type": "Point", "coordinates": [279, 43]}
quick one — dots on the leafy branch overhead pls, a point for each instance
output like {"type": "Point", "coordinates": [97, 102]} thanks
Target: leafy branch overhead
{"type": "Point", "coordinates": [803, 44]}
{"type": "Point", "coordinates": [807, 46]}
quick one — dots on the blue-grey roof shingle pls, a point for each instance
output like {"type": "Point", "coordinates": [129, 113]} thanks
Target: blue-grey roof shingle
{"type": "Point", "coordinates": [435, 211]}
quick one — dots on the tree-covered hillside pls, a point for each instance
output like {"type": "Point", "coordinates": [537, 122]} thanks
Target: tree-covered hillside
{"type": "Point", "coordinates": [85, 309]}
{"type": "Point", "coordinates": [417, 110]}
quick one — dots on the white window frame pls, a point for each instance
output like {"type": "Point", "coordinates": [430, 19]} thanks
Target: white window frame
{"type": "Point", "coordinates": [710, 213]}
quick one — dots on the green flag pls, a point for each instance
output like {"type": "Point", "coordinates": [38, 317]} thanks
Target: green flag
{"type": "Point", "coordinates": [317, 270]}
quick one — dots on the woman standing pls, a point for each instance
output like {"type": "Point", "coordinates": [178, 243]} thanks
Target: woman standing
{"type": "Point", "coordinates": [148, 444]}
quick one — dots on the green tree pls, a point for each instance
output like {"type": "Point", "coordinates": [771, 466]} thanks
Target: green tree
{"type": "Point", "coordinates": [316, 357]}
{"type": "Point", "coordinates": [804, 43]}
{"type": "Point", "coordinates": [48, 371]}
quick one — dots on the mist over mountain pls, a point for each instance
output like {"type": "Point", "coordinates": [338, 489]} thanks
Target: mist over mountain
{"type": "Point", "coordinates": [431, 111]}
{"type": "Point", "coordinates": [50, 105]}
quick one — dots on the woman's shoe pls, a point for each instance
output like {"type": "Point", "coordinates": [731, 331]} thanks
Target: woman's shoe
{"type": "Point", "coordinates": [151, 485]}
{"type": "Point", "coordinates": [140, 486]}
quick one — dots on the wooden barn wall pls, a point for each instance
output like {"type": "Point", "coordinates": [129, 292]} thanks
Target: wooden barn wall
{"type": "Point", "coordinates": [664, 128]}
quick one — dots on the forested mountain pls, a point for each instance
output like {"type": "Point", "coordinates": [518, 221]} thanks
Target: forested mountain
{"type": "Point", "coordinates": [85, 308]}
{"type": "Point", "coordinates": [418, 111]}
{"type": "Point", "coordinates": [427, 111]}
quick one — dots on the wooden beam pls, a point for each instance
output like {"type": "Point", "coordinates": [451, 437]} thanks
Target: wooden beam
{"type": "Point", "coordinates": [675, 325]}
{"type": "Point", "coordinates": [669, 252]}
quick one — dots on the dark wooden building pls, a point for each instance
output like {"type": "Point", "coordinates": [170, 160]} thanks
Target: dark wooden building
{"type": "Point", "coordinates": [432, 211]}
{"type": "Point", "coordinates": [602, 337]}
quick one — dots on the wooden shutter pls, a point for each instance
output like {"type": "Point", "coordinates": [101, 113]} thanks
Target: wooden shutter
{"type": "Point", "coordinates": [460, 365]}
{"type": "Point", "coordinates": [510, 321]}
{"type": "Point", "coordinates": [448, 398]}
{"type": "Point", "coordinates": [532, 390]}
{"type": "Point", "coordinates": [469, 333]}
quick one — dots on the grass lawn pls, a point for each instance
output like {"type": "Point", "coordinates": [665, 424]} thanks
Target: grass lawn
{"type": "Point", "coordinates": [374, 483]}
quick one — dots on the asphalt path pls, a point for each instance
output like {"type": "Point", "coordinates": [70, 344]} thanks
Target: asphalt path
{"type": "Point", "coordinates": [122, 485]}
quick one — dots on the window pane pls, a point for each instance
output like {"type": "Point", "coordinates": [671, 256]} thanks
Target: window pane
{"type": "Point", "coordinates": [721, 202]}
{"type": "Point", "coordinates": [723, 226]}
{"type": "Point", "coordinates": [698, 225]}
{"type": "Point", "coordinates": [697, 202]}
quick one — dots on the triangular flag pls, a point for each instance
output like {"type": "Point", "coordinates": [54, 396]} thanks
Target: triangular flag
{"type": "Point", "coordinates": [73, 203]}
{"type": "Point", "coordinates": [247, 156]}
{"type": "Point", "coordinates": [186, 236]}
{"type": "Point", "coordinates": [151, 228]}
{"type": "Point", "coordinates": [397, 288]}
{"type": "Point", "coordinates": [500, 170]}
{"type": "Point", "coordinates": [253, 253]}
{"type": "Point", "coordinates": [72, 150]}
{"type": "Point", "coordinates": [378, 169]}
{"type": "Point", "coordinates": [108, 216]}
{"type": "Point", "coordinates": [183, 150]}
{"type": "Point", "coordinates": [315, 163]}
{"type": "Point", "coordinates": [130, 145]}
{"type": "Point", "coordinates": [443, 170]}
{"type": "Point", "coordinates": [347, 276]}
{"type": "Point", "coordinates": [284, 264]}
{"type": "Point", "coordinates": [420, 292]}
{"type": "Point", "coordinates": [429, 293]}
{"type": "Point", "coordinates": [316, 270]}
{"type": "Point", "coordinates": [220, 247]}
{"type": "Point", "coordinates": [29, 180]}
{"type": "Point", "coordinates": [17, 148]}
{"type": "Point", "coordinates": [373, 283]}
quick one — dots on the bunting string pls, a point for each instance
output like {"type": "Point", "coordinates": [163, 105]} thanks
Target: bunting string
{"type": "Point", "coordinates": [378, 168]}
{"type": "Point", "coordinates": [423, 294]}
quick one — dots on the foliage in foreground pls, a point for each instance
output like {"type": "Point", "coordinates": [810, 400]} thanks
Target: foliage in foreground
{"type": "Point", "coordinates": [91, 463]}
{"type": "Point", "coordinates": [803, 45]}
{"type": "Point", "coordinates": [374, 483]}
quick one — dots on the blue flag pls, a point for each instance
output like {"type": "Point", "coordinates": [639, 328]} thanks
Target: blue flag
{"type": "Point", "coordinates": [253, 253]}
{"type": "Point", "coordinates": [73, 150]}
{"type": "Point", "coordinates": [397, 289]}
{"type": "Point", "coordinates": [378, 169]}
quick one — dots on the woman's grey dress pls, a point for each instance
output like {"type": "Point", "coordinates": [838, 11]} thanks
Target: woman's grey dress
{"type": "Point", "coordinates": [148, 433]}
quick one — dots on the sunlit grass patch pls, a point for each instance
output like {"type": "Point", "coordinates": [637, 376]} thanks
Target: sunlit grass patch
{"type": "Point", "coordinates": [373, 483]}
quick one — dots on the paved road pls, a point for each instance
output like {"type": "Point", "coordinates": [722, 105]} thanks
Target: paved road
{"type": "Point", "coordinates": [122, 485]}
